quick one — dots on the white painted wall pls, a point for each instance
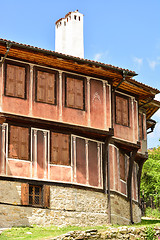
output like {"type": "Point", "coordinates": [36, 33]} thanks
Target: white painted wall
{"type": "Point", "coordinates": [69, 35]}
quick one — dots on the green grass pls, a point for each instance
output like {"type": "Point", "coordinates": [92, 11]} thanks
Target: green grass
{"type": "Point", "coordinates": [40, 232]}
{"type": "Point", "coordinates": [153, 213]}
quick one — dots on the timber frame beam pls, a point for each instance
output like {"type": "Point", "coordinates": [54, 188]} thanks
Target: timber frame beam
{"type": "Point", "coordinates": [106, 175]}
{"type": "Point", "coordinates": [140, 164]}
{"type": "Point", "coordinates": [129, 182]}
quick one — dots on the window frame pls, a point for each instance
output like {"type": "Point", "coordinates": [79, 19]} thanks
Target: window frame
{"type": "Point", "coordinates": [41, 69]}
{"type": "Point", "coordinates": [34, 195]}
{"type": "Point", "coordinates": [69, 147]}
{"type": "Point", "coordinates": [128, 102]}
{"type": "Point", "coordinates": [29, 142]}
{"type": "Point", "coordinates": [18, 64]}
{"type": "Point", "coordinates": [125, 166]}
{"type": "Point", "coordinates": [78, 78]}
{"type": "Point", "coordinates": [141, 124]}
{"type": "Point", "coordinates": [45, 195]}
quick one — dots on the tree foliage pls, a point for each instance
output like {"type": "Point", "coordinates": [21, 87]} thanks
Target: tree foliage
{"type": "Point", "coordinates": [150, 181]}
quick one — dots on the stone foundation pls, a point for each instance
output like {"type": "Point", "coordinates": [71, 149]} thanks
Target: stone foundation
{"type": "Point", "coordinates": [68, 206]}
{"type": "Point", "coordinates": [120, 210]}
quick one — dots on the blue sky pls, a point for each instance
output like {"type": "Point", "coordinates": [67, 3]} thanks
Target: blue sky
{"type": "Point", "coordinates": [119, 32]}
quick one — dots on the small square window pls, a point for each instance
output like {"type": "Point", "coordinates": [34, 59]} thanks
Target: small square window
{"type": "Point", "coordinates": [35, 195]}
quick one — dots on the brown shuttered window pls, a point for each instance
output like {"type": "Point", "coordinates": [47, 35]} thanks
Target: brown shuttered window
{"type": "Point", "coordinates": [60, 149]}
{"type": "Point", "coordinates": [45, 90]}
{"type": "Point", "coordinates": [35, 195]}
{"type": "Point", "coordinates": [122, 166]}
{"type": "Point", "coordinates": [122, 110]}
{"type": "Point", "coordinates": [19, 143]}
{"type": "Point", "coordinates": [141, 132]}
{"type": "Point", "coordinates": [15, 81]}
{"type": "Point", "coordinates": [75, 93]}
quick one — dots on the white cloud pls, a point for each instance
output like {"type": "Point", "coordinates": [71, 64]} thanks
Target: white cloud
{"type": "Point", "coordinates": [98, 56]}
{"type": "Point", "coordinates": [102, 57]}
{"type": "Point", "coordinates": [138, 61]}
{"type": "Point", "coordinates": [154, 63]}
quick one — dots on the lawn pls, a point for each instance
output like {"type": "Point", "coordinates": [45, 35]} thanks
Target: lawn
{"type": "Point", "coordinates": [39, 232]}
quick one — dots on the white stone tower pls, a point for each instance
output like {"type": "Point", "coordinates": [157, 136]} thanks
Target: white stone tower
{"type": "Point", "coordinates": [69, 35]}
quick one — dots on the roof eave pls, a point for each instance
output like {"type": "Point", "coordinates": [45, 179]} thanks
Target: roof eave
{"type": "Point", "coordinates": [69, 57]}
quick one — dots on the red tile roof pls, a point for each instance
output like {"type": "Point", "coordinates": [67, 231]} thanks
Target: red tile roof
{"type": "Point", "coordinates": [107, 66]}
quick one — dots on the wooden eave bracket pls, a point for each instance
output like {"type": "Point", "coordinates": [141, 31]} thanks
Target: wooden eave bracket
{"type": "Point", "coordinates": [2, 120]}
{"type": "Point", "coordinates": [124, 74]}
{"type": "Point", "coordinates": [141, 157]}
{"type": "Point", "coordinates": [9, 44]}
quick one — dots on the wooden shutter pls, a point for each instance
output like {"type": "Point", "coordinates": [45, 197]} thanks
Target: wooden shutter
{"type": "Point", "coordinates": [60, 149]}
{"type": "Point", "coordinates": [10, 80]}
{"type": "Point", "coordinates": [41, 86]}
{"type": "Point", "coordinates": [23, 143]}
{"type": "Point", "coordinates": [140, 126]}
{"type": "Point", "coordinates": [125, 112]}
{"type": "Point", "coordinates": [118, 110]}
{"type": "Point", "coordinates": [20, 81]}
{"type": "Point", "coordinates": [122, 166]}
{"type": "Point", "coordinates": [64, 149]}
{"type": "Point", "coordinates": [78, 94]}
{"type": "Point", "coordinates": [54, 148]}
{"type": "Point", "coordinates": [46, 196]}
{"type": "Point", "coordinates": [122, 111]}
{"type": "Point", "coordinates": [19, 143]}
{"type": "Point", "coordinates": [70, 92]}
{"type": "Point", "coordinates": [14, 142]}
{"type": "Point", "coordinates": [50, 88]}
{"type": "Point", "coordinates": [24, 193]}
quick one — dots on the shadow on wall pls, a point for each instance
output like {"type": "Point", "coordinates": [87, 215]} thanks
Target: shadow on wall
{"type": "Point", "coordinates": [11, 211]}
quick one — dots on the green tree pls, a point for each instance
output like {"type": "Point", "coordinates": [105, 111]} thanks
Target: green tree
{"type": "Point", "coordinates": [150, 181]}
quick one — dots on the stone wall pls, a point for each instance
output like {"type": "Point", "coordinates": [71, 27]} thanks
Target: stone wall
{"type": "Point", "coordinates": [68, 206]}
{"type": "Point", "coordinates": [120, 233]}
{"type": "Point", "coordinates": [120, 210]}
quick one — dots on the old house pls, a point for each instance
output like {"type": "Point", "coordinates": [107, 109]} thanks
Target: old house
{"type": "Point", "coordinates": [73, 134]}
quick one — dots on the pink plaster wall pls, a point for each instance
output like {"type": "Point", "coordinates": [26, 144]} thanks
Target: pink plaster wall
{"type": "Point", "coordinates": [18, 168]}
{"type": "Point", "coordinates": [60, 173]}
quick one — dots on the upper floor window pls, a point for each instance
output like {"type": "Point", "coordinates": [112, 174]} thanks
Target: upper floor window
{"type": "Point", "coordinates": [74, 92]}
{"type": "Point", "coordinates": [122, 110]}
{"type": "Point", "coordinates": [45, 87]}
{"type": "Point", "coordinates": [122, 164]}
{"type": "Point", "coordinates": [19, 142]}
{"type": "Point", "coordinates": [15, 81]}
{"type": "Point", "coordinates": [141, 130]}
{"type": "Point", "coordinates": [60, 149]}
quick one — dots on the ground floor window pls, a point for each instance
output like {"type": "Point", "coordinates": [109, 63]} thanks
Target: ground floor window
{"type": "Point", "coordinates": [35, 195]}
